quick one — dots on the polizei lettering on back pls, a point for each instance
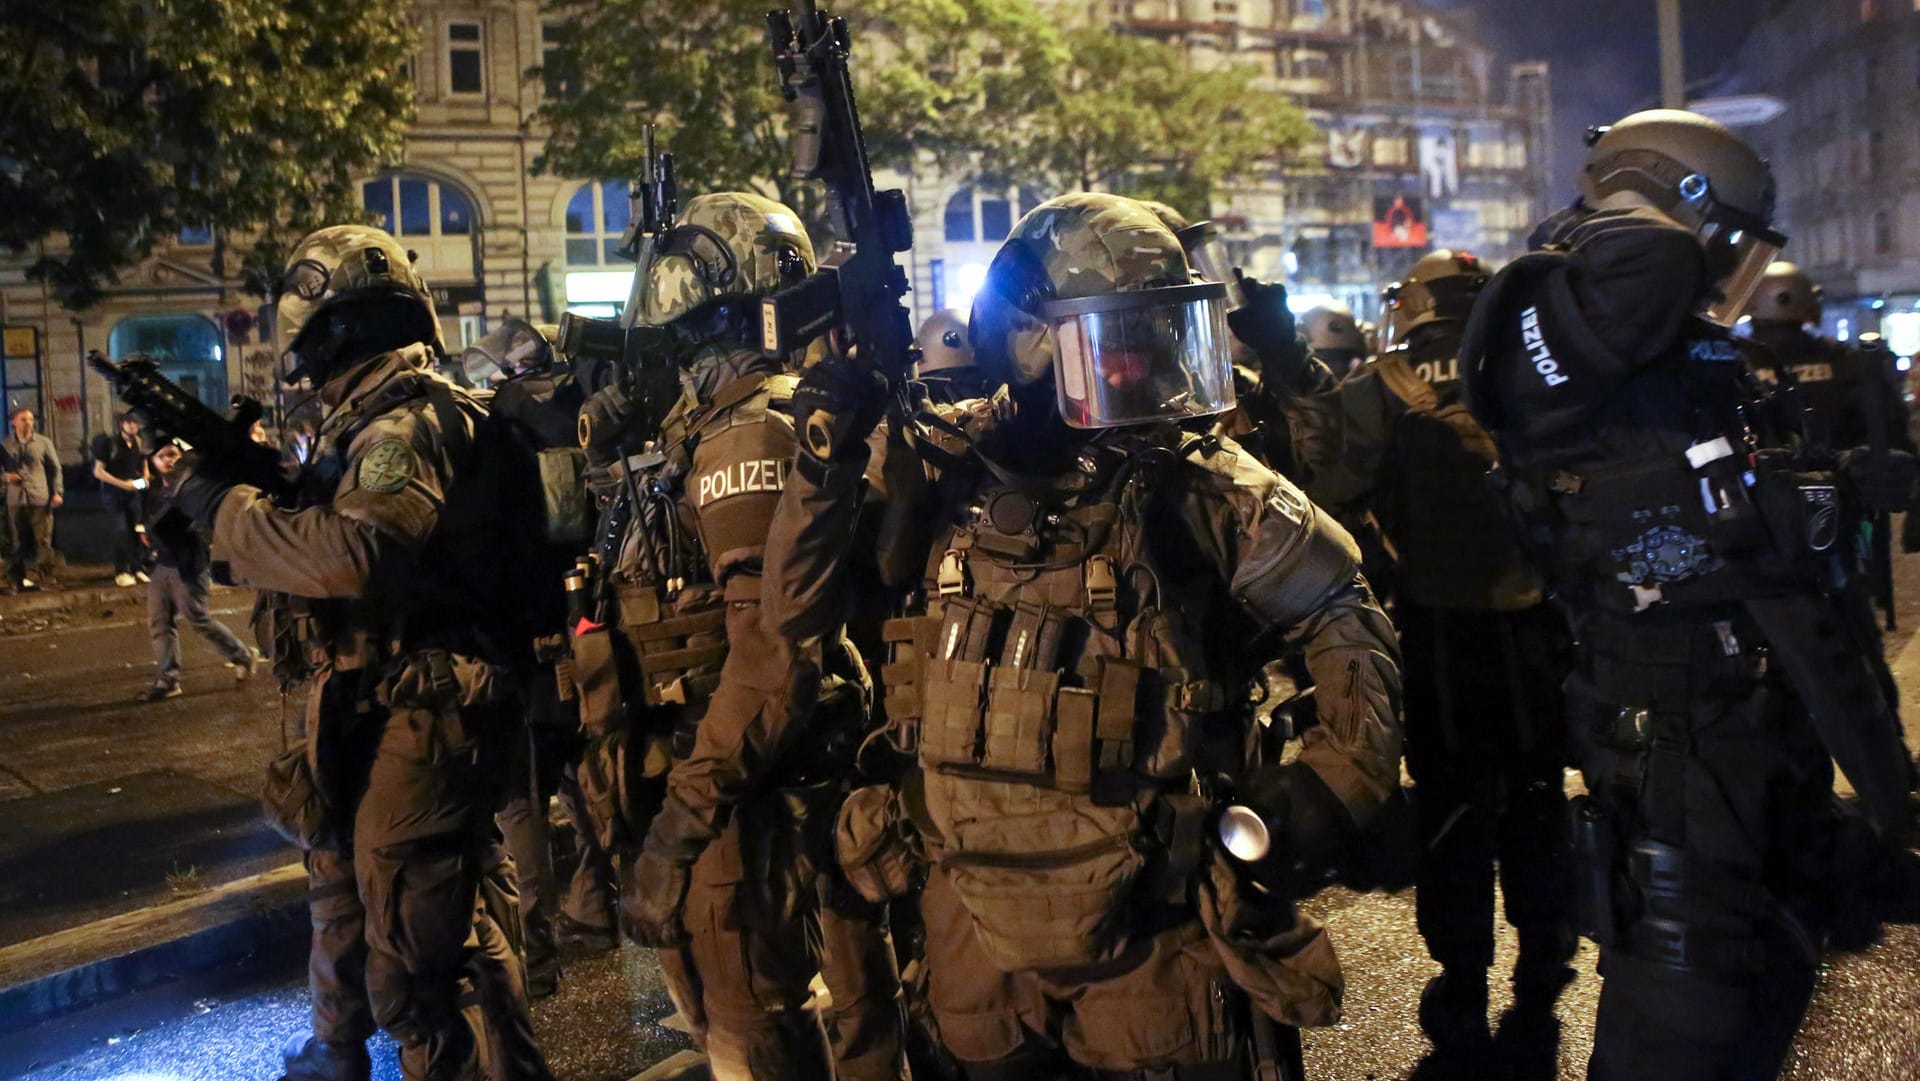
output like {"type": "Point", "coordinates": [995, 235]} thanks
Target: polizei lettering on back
{"type": "Point", "coordinates": [742, 478]}
{"type": "Point", "coordinates": [1535, 344]}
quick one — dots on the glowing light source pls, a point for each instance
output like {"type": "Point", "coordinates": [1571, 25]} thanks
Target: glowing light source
{"type": "Point", "coordinates": [598, 286]}
{"type": "Point", "coordinates": [963, 282]}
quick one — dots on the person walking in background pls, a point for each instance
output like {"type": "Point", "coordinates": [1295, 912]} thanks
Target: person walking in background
{"type": "Point", "coordinates": [120, 465]}
{"type": "Point", "coordinates": [181, 581]}
{"type": "Point", "coordinates": [35, 489]}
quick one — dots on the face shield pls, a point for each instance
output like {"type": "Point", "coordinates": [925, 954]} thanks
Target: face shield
{"type": "Point", "coordinates": [1151, 355]}
{"type": "Point", "coordinates": [1739, 255]}
{"type": "Point", "coordinates": [1207, 254]}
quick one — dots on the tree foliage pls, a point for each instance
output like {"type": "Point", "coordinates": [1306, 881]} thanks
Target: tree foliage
{"type": "Point", "coordinates": [932, 76]}
{"type": "Point", "coordinates": [123, 121]}
{"type": "Point", "coordinates": [989, 88]}
{"type": "Point", "coordinates": [1131, 114]}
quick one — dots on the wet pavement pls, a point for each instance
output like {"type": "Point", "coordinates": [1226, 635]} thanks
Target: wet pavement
{"type": "Point", "coordinates": [69, 729]}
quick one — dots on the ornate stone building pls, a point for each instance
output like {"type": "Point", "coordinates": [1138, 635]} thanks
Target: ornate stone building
{"type": "Point", "coordinates": [1425, 141]}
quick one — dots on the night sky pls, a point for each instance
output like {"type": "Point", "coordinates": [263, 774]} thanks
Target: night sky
{"type": "Point", "coordinates": [1605, 55]}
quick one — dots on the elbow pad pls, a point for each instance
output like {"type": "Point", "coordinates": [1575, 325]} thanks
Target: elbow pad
{"type": "Point", "coordinates": [1295, 560]}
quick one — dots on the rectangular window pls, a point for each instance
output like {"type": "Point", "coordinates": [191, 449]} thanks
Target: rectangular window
{"type": "Point", "coordinates": [1317, 9]}
{"type": "Point", "coordinates": [580, 251]}
{"type": "Point", "coordinates": [196, 235]}
{"type": "Point", "coordinates": [377, 197]}
{"type": "Point", "coordinates": [416, 208]}
{"type": "Point", "coordinates": [1876, 154]}
{"type": "Point", "coordinates": [553, 76]}
{"type": "Point", "coordinates": [1226, 11]}
{"type": "Point", "coordinates": [996, 218]}
{"type": "Point", "coordinates": [464, 59]}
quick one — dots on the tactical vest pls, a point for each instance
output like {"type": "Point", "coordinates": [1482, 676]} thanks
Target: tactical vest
{"type": "Point", "coordinates": [1059, 702]}
{"type": "Point", "coordinates": [703, 511]}
{"type": "Point", "coordinates": [1456, 545]}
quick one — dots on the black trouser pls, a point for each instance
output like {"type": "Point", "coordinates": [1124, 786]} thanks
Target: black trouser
{"type": "Point", "coordinates": [125, 507]}
{"type": "Point", "coordinates": [1486, 743]}
{"type": "Point", "coordinates": [1717, 825]}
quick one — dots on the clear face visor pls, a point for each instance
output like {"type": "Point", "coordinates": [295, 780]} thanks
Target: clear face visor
{"type": "Point", "coordinates": [1207, 254]}
{"type": "Point", "coordinates": [1747, 252]}
{"type": "Point", "coordinates": [1132, 358]}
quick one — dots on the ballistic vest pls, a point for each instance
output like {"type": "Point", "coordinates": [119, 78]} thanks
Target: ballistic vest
{"type": "Point", "coordinates": [1061, 703]}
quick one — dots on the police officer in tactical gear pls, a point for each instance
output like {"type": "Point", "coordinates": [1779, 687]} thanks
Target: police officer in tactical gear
{"type": "Point", "coordinates": [733, 882]}
{"type": "Point", "coordinates": [1484, 655]}
{"type": "Point", "coordinates": [391, 591]}
{"type": "Point", "coordinates": [1846, 397]}
{"type": "Point", "coordinates": [1335, 337]}
{"type": "Point", "coordinates": [1096, 571]}
{"type": "Point", "coordinates": [1713, 676]}
{"type": "Point", "coordinates": [946, 369]}
{"type": "Point", "coordinates": [535, 395]}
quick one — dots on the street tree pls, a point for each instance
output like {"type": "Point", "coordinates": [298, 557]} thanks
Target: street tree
{"type": "Point", "coordinates": [950, 79]}
{"type": "Point", "coordinates": [1130, 114]}
{"type": "Point", "coordinates": [124, 121]}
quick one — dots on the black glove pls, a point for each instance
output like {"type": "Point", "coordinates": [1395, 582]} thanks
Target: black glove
{"type": "Point", "coordinates": [837, 405]}
{"type": "Point", "coordinates": [1309, 826]}
{"type": "Point", "coordinates": [199, 494]}
{"type": "Point", "coordinates": [1884, 479]}
{"type": "Point", "coordinates": [1265, 325]}
{"type": "Point", "coordinates": [651, 902]}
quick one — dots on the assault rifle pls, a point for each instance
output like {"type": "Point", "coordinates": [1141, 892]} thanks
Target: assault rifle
{"type": "Point", "coordinates": [137, 381]}
{"type": "Point", "coordinates": [858, 285]}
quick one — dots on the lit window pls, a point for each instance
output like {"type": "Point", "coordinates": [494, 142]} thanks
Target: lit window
{"type": "Point", "coordinates": [973, 215]}
{"type": "Point", "coordinates": [196, 236]}
{"type": "Point", "coordinates": [597, 218]}
{"type": "Point", "coordinates": [185, 347]}
{"type": "Point", "coordinates": [465, 53]}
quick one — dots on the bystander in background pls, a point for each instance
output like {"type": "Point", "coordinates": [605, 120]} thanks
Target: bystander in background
{"type": "Point", "coordinates": [35, 489]}
{"type": "Point", "coordinates": [182, 581]}
{"type": "Point", "coordinates": [120, 465]}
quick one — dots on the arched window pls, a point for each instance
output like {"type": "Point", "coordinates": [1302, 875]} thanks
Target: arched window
{"type": "Point", "coordinates": [186, 347]}
{"type": "Point", "coordinates": [986, 215]}
{"type": "Point", "coordinates": [433, 219]}
{"type": "Point", "coordinates": [597, 216]}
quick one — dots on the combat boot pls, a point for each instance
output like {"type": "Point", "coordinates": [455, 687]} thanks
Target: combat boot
{"type": "Point", "coordinates": [1542, 970]}
{"type": "Point", "coordinates": [1453, 1011]}
{"type": "Point", "coordinates": [309, 1058]}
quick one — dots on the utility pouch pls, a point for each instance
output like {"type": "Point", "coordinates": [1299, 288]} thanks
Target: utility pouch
{"type": "Point", "coordinates": [1057, 894]}
{"type": "Point", "coordinates": [1020, 693]}
{"type": "Point", "coordinates": [680, 656]}
{"type": "Point", "coordinates": [563, 489]}
{"type": "Point", "coordinates": [292, 801]}
{"type": "Point", "coordinates": [1074, 711]}
{"type": "Point", "coordinates": [876, 844]}
{"type": "Point", "coordinates": [596, 675]}
{"type": "Point", "coordinates": [908, 642]}
{"type": "Point", "coordinates": [1119, 691]}
{"type": "Point", "coordinates": [1595, 846]}
{"type": "Point", "coordinates": [956, 679]}
{"type": "Point", "coordinates": [1173, 698]}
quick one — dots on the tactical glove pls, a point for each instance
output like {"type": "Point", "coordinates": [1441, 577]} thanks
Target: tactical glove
{"type": "Point", "coordinates": [1884, 479]}
{"type": "Point", "coordinates": [1265, 325]}
{"type": "Point", "coordinates": [200, 494]}
{"type": "Point", "coordinates": [1309, 826]}
{"type": "Point", "coordinates": [839, 402]}
{"type": "Point", "coordinates": [651, 903]}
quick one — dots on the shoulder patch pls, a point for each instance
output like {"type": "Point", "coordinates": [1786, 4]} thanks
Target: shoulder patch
{"type": "Point", "coordinates": [386, 468]}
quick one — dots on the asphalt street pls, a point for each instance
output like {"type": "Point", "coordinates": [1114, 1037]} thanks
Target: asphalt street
{"type": "Point", "coordinates": [70, 731]}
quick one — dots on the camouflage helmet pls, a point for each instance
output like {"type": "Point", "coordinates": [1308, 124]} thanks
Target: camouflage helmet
{"type": "Point", "coordinates": [1785, 295]}
{"type": "Point", "coordinates": [1331, 328]}
{"type": "Point", "coordinates": [1440, 287]}
{"type": "Point", "coordinates": [943, 343]}
{"type": "Point", "coordinates": [726, 244]}
{"type": "Point", "coordinates": [1169, 217]}
{"type": "Point", "coordinates": [1696, 171]}
{"type": "Point", "coordinates": [1094, 290]}
{"type": "Point", "coordinates": [345, 286]}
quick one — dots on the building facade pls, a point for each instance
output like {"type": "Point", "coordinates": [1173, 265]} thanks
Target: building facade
{"type": "Point", "coordinates": [1424, 142]}
{"type": "Point", "coordinates": [1845, 152]}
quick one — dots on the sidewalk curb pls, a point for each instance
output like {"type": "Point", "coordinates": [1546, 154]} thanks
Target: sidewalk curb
{"type": "Point", "coordinates": [70, 970]}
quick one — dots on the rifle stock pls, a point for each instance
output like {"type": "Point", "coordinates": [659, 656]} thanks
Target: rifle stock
{"type": "Point", "coordinates": [859, 285]}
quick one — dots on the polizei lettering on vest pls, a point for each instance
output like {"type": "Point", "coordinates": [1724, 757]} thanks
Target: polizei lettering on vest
{"type": "Point", "coordinates": [743, 478]}
{"type": "Point", "coordinates": [1535, 343]}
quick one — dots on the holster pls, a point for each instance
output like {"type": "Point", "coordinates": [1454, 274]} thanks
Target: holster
{"type": "Point", "coordinates": [1595, 847]}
